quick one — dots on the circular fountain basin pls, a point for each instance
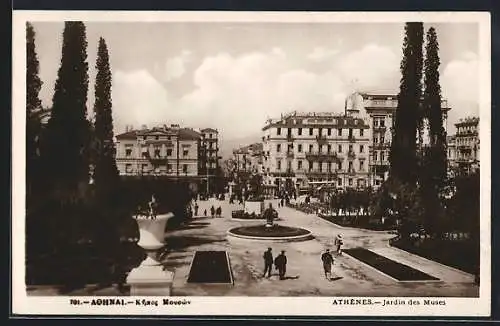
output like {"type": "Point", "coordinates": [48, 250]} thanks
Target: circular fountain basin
{"type": "Point", "coordinates": [275, 233]}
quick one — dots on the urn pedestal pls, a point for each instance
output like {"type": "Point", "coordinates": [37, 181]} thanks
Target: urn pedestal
{"type": "Point", "coordinates": [150, 278]}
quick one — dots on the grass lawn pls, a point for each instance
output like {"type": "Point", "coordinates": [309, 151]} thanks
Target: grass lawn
{"type": "Point", "coordinates": [463, 255]}
{"type": "Point", "coordinates": [210, 267]}
{"type": "Point", "coordinates": [387, 266]}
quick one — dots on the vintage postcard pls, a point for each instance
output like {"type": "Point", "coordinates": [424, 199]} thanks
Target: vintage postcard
{"type": "Point", "coordinates": [251, 163]}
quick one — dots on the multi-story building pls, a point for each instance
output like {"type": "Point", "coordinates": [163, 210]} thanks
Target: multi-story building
{"type": "Point", "coordinates": [316, 148]}
{"type": "Point", "coordinates": [463, 150]}
{"type": "Point", "coordinates": [209, 158]}
{"type": "Point", "coordinates": [249, 158]}
{"type": "Point", "coordinates": [345, 150]}
{"type": "Point", "coordinates": [162, 151]}
{"type": "Point", "coordinates": [378, 110]}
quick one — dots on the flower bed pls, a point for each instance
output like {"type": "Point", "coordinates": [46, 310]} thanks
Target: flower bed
{"type": "Point", "coordinates": [242, 215]}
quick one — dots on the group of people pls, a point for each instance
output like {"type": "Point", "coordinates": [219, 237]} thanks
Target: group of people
{"type": "Point", "coordinates": [280, 261]}
{"type": "Point", "coordinates": [214, 212]}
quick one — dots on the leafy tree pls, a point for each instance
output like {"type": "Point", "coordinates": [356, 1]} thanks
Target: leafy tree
{"type": "Point", "coordinates": [403, 152]}
{"type": "Point", "coordinates": [34, 114]}
{"type": "Point", "coordinates": [65, 148]}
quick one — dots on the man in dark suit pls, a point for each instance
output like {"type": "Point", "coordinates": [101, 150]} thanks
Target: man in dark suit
{"type": "Point", "coordinates": [268, 262]}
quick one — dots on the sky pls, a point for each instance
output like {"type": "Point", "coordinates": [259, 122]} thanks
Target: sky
{"type": "Point", "coordinates": [234, 76]}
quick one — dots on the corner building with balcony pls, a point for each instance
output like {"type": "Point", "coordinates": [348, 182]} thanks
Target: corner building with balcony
{"type": "Point", "coordinates": [316, 148]}
{"type": "Point", "coordinates": [161, 151]}
{"type": "Point", "coordinates": [463, 147]}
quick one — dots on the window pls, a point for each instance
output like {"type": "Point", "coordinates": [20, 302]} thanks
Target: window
{"type": "Point", "coordinates": [361, 132]}
{"type": "Point", "coordinates": [340, 149]}
{"type": "Point", "coordinates": [382, 156]}
{"type": "Point", "coordinates": [350, 167]}
{"type": "Point", "coordinates": [375, 140]}
{"type": "Point", "coordinates": [329, 166]}
{"type": "Point", "coordinates": [157, 137]}
{"type": "Point", "coordinates": [184, 168]}
{"type": "Point", "coordinates": [329, 148]}
{"type": "Point", "coordinates": [340, 131]}
{"type": "Point", "coordinates": [289, 131]}
{"type": "Point", "coordinates": [299, 148]}
{"type": "Point", "coordinates": [382, 139]}
{"type": "Point", "coordinates": [128, 152]}
{"type": "Point", "coordinates": [361, 148]}
{"type": "Point", "coordinates": [350, 132]}
{"type": "Point", "coordinates": [310, 148]}
{"type": "Point", "coordinates": [350, 182]}
{"type": "Point", "coordinates": [375, 156]}
{"type": "Point", "coordinates": [320, 131]}
{"type": "Point", "coordinates": [169, 152]}
{"type": "Point", "coordinates": [310, 131]}
{"type": "Point", "coordinates": [375, 122]}
{"type": "Point", "coordinates": [329, 131]}
{"type": "Point", "coordinates": [350, 148]}
{"type": "Point", "coordinates": [144, 137]}
{"type": "Point", "coordinates": [340, 165]}
{"type": "Point", "coordinates": [169, 167]}
{"type": "Point", "coordinates": [278, 131]}
{"type": "Point", "coordinates": [278, 148]}
{"type": "Point", "coordinates": [361, 165]}
{"type": "Point", "coordinates": [128, 168]}
{"type": "Point", "coordinates": [320, 166]}
{"type": "Point", "coordinates": [299, 164]}
{"type": "Point", "coordinates": [289, 166]}
{"type": "Point", "coordinates": [300, 131]}
{"type": "Point", "coordinates": [185, 152]}
{"type": "Point", "coordinates": [278, 164]}
{"type": "Point", "coordinates": [382, 122]}
{"type": "Point", "coordinates": [340, 182]}
{"type": "Point", "coordinates": [157, 152]}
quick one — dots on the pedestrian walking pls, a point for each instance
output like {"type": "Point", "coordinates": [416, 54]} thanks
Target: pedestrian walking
{"type": "Point", "coordinates": [338, 244]}
{"type": "Point", "coordinates": [205, 213]}
{"type": "Point", "coordinates": [218, 212]}
{"type": "Point", "coordinates": [212, 211]}
{"type": "Point", "coordinates": [282, 202]}
{"type": "Point", "coordinates": [327, 260]}
{"type": "Point", "coordinates": [268, 262]}
{"type": "Point", "coordinates": [280, 264]}
{"type": "Point", "coordinates": [196, 209]}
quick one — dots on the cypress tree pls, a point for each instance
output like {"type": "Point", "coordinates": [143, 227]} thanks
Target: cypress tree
{"type": "Point", "coordinates": [33, 110]}
{"type": "Point", "coordinates": [437, 160]}
{"type": "Point", "coordinates": [403, 156]}
{"type": "Point", "coordinates": [66, 141]}
{"type": "Point", "coordinates": [105, 170]}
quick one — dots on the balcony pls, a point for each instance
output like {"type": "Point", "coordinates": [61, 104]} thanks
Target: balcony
{"type": "Point", "coordinates": [351, 155]}
{"type": "Point", "coordinates": [320, 173]}
{"type": "Point", "coordinates": [381, 145]}
{"type": "Point", "coordinates": [380, 128]}
{"type": "Point", "coordinates": [351, 172]}
{"type": "Point", "coordinates": [157, 160]}
{"type": "Point", "coordinates": [286, 174]}
{"type": "Point", "coordinates": [351, 138]}
{"type": "Point", "coordinates": [322, 156]}
{"type": "Point", "coordinates": [289, 138]}
{"type": "Point", "coordinates": [321, 139]}
{"type": "Point", "coordinates": [290, 154]}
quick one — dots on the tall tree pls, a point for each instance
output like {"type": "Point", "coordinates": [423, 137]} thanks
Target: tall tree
{"type": "Point", "coordinates": [105, 170]}
{"type": "Point", "coordinates": [66, 141]}
{"type": "Point", "coordinates": [403, 156]}
{"type": "Point", "coordinates": [33, 109]}
{"type": "Point", "coordinates": [437, 160]}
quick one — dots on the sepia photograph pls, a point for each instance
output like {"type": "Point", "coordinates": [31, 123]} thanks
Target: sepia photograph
{"type": "Point", "coordinates": [239, 161]}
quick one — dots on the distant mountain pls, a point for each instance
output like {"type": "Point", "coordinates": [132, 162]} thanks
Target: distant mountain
{"type": "Point", "coordinates": [228, 145]}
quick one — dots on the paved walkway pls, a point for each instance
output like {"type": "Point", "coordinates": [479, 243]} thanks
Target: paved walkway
{"type": "Point", "coordinates": [304, 267]}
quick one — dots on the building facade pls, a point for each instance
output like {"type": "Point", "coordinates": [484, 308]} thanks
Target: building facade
{"type": "Point", "coordinates": [316, 148]}
{"type": "Point", "coordinates": [161, 151]}
{"type": "Point", "coordinates": [464, 146]}
{"type": "Point", "coordinates": [249, 158]}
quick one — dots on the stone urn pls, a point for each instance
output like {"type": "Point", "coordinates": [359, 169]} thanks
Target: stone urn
{"type": "Point", "coordinates": [151, 278]}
